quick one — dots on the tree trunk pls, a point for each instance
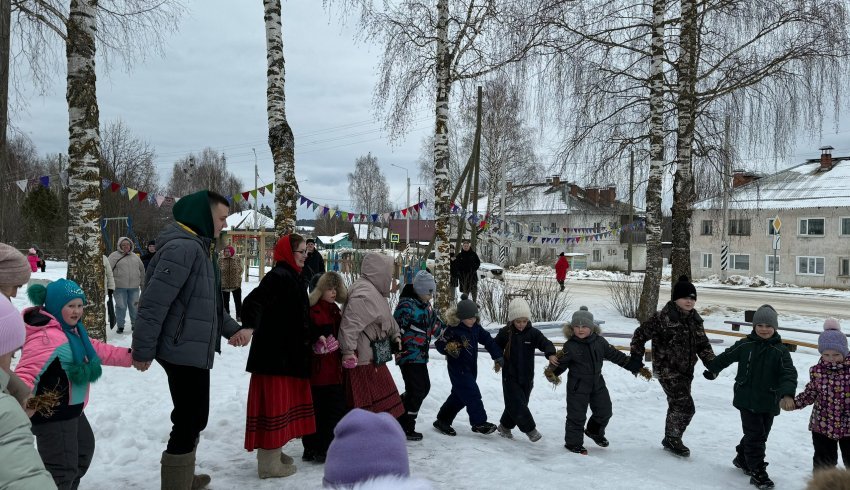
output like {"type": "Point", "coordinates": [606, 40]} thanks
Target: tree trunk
{"type": "Point", "coordinates": [652, 278]}
{"type": "Point", "coordinates": [281, 140]}
{"type": "Point", "coordinates": [5, 61]}
{"type": "Point", "coordinates": [85, 243]}
{"type": "Point", "coordinates": [442, 202]}
{"type": "Point", "coordinates": [683, 183]}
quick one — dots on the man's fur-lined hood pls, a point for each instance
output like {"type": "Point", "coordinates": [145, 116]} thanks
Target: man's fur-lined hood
{"type": "Point", "coordinates": [327, 281]}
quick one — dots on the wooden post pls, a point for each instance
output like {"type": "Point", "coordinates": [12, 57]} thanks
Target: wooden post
{"type": "Point", "coordinates": [261, 264]}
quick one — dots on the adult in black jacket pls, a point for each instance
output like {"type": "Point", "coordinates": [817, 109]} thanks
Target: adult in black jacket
{"type": "Point", "coordinates": [280, 406]}
{"type": "Point", "coordinates": [466, 265]}
{"type": "Point", "coordinates": [314, 264]}
{"type": "Point", "coordinates": [518, 341]}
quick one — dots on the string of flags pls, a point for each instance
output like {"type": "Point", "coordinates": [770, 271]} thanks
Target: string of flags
{"type": "Point", "coordinates": [361, 217]}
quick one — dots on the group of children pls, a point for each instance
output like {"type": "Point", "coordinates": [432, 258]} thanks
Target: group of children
{"type": "Point", "coordinates": [59, 357]}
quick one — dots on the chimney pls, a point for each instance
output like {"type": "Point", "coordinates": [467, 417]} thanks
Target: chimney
{"type": "Point", "coordinates": [612, 195]}
{"type": "Point", "coordinates": [591, 194]}
{"type": "Point", "coordinates": [510, 186]}
{"type": "Point", "coordinates": [742, 177]}
{"type": "Point", "coordinates": [826, 158]}
{"type": "Point", "coordinates": [556, 180]}
{"type": "Point", "coordinates": [573, 190]}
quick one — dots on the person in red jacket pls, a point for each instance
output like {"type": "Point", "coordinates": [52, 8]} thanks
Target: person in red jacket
{"type": "Point", "coordinates": [326, 385]}
{"type": "Point", "coordinates": [561, 268]}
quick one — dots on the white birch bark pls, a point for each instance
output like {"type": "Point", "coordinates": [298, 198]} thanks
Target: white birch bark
{"type": "Point", "coordinates": [85, 242]}
{"type": "Point", "coordinates": [281, 140]}
{"type": "Point", "coordinates": [652, 278]}
{"type": "Point", "coordinates": [442, 206]}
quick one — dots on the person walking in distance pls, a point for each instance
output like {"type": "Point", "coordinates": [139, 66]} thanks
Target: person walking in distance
{"type": "Point", "coordinates": [180, 322]}
{"type": "Point", "coordinates": [231, 280]}
{"type": "Point", "coordinates": [467, 264]}
{"type": "Point", "coordinates": [314, 264]}
{"type": "Point", "coordinates": [561, 268]}
{"type": "Point", "coordinates": [129, 273]}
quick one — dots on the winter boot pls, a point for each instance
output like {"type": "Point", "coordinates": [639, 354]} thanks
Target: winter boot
{"type": "Point", "coordinates": [485, 428]}
{"type": "Point", "coordinates": [675, 446]}
{"type": "Point", "coordinates": [534, 435]}
{"type": "Point", "coordinates": [444, 427]}
{"type": "Point", "coordinates": [178, 472]}
{"type": "Point", "coordinates": [412, 435]}
{"type": "Point", "coordinates": [320, 457]}
{"type": "Point", "coordinates": [286, 459]}
{"type": "Point", "coordinates": [269, 464]}
{"type": "Point", "coordinates": [760, 479]}
{"type": "Point", "coordinates": [504, 432]}
{"type": "Point", "coordinates": [309, 455]}
{"type": "Point", "coordinates": [579, 449]}
{"type": "Point", "coordinates": [120, 329]}
{"type": "Point", "coordinates": [739, 462]}
{"type": "Point", "coordinates": [599, 439]}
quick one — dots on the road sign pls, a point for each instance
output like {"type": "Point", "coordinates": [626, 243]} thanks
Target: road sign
{"type": "Point", "coordinates": [777, 224]}
{"type": "Point", "coordinates": [394, 238]}
{"type": "Point", "coordinates": [776, 241]}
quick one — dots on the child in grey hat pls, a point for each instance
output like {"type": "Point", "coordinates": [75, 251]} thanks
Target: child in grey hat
{"type": "Point", "coordinates": [459, 343]}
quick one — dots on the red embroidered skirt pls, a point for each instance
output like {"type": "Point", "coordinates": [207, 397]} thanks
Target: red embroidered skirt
{"type": "Point", "coordinates": [280, 408]}
{"type": "Point", "coordinates": [372, 388]}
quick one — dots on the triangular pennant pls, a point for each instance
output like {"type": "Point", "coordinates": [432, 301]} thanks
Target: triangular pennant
{"type": "Point", "coordinates": [404, 212]}
{"type": "Point", "coordinates": [123, 190]}
{"type": "Point", "coordinates": [303, 200]}
{"type": "Point", "coordinates": [262, 191]}
{"type": "Point", "coordinates": [131, 193]}
{"type": "Point", "coordinates": [254, 193]}
{"type": "Point", "coordinates": [344, 215]}
{"type": "Point", "coordinates": [315, 205]}
{"type": "Point", "coordinates": [270, 187]}
{"type": "Point", "coordinates": [44, 180]}
{"type": "Point", "coordinates": [142, 196]}
{"type": "Point", "coordinates": [245, 195]}
{"type": "Point", "coordinates": [115, 186]}
{"type": "Point", "coordinates": [104, 183]}
{"type": "Point", "coordinates": [237, 197]}
{"type": "Point", "coordinates": [324, 210]}
{"type": "Point", "coordinates": [350, 216]}
{"type": "Point", "coordinates": [374, 218]}
{"type": "Point", "coordinates": [22, 184]}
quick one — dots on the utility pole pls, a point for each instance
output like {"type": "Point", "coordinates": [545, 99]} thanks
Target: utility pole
{"type": "Point", "coordinates": [418, 218]}
{"type": "Point", "coordinates": [631, 207]}
{"type": "Point", "coordinates": [503, 241]}
{"type": "Point", "coordinates": [407, 238]}
{"type": "Point", "coordinates": [256, 176]}
{"type": "Point", "coordinates": [477, 156]}
{"type": "Point", "coordinates": [727, 170]}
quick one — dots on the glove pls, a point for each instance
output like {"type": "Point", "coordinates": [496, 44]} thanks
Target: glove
{"type": "Point", "coordinates": [320, 347]}
{"type": "Point", "coordinates": [331, 343]}
{"type": "Point", "coordinates": [350, 363]}
{"type": "Point", "coordinates": [709, 375]}
{"type": "Point", "coordinates": [634, 364]}
{"type": "Point", "coordinates": [787, 404]}
{"type": "Point", "coordinates": [497, 364]}
{"type": "Point", "coordinates": [552, 377]}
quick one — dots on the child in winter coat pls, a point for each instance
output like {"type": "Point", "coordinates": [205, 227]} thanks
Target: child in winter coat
{"type": "Point", "coordinates": [828, 389]}
{"type": "Point", "coordinates": [765, 377]}
{"type": "Point", "coordinates": [518, 341]}
{"type": "Point", "coordinates": [326, 372]}
{"type": "Point", "coordinates": [32, 257]}
{"type": "Point", "coordinates": [418, 322]}
{"type": "Point", "coordinates": [460, 345]}
{"type": "Point", "coordinates": [583, 353]}
{"type": "Point", "coordinates": [60, 357]}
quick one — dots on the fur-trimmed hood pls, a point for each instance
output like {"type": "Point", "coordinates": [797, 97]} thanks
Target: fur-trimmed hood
{"type": "Point", "coordinates": [568, 330]}
{"type": "Point", "coordinates": [452, 319]}
{"type": "Point", "coordinates": [327, 281]}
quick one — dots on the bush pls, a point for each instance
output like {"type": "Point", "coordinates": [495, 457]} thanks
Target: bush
{"type": "Point", "coordinates": [625, 294]}
{"type": "Point", "coordinates": [543, 294]}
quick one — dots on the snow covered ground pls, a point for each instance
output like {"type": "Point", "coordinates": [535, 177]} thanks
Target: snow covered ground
{"type": "Point", "coordinates": [129, 412]}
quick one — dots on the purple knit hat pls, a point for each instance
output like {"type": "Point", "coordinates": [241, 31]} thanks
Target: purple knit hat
{"type": "Point", "coordinates": [366, 445]}
{"type": "Point", "coordinates": [12, 331]}
{"type": "Point", "coordinates": [832, 338]}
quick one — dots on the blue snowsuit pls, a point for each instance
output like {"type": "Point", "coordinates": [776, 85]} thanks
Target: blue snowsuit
{"type": "Point", "coordinates": [463, 371]}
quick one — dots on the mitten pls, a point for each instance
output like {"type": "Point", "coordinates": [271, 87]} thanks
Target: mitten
{"type": "Point", "coordinates": [320, 347]}
{"type": "Point", "coordinates": [331, 343]}
{"type": "Point", "coordinates": [497, 364]}
{"type": "Point", "coordinates": [709, 375]}
{"type": "Point", "coordinates": [350, 363]}
{"type": "Point", "coordinates": [552, 377]}
{"type": "Point", "coordinates": [634, 364]}
{"type": "Point", "coordinates": [645, 373]}
{"type": "Point", "coordinates": [787, 403]}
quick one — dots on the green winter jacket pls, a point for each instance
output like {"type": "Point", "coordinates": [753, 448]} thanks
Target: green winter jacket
{"type": "Point", "coordinates": [765, 372]}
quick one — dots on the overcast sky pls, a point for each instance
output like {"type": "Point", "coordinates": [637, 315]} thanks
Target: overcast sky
{"type": "Point", "coordinates": [210, 90]}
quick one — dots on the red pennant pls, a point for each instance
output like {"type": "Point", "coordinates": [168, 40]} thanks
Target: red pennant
{"type": "Point", "coordinates": [114, 186]}
{"type": "Point", "coordinates": [142, 196]}
{"type": "Point", "coordinates": [246, 194]}
{"type": "Point", "coordinates": [404, 212]}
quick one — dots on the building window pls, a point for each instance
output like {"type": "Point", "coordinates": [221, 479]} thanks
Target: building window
{"type": "Point", "coordinates": [707, 227]}
{"type": "Point", "coordinates": [845, 226]}
{"type": "Point", "coordinates": [517, 230]}
{"type": "Point", "coordinates": [770, 230]}
{"type": "Point", "coordinates": [811, 226]}
{"type": "Point", "coordinates": [771, 263]}
{"type": "Point", "coordinates": [844, 266]}
{"type": "Point", "coordinates": [597, 227]}
{"type": "Point", "coordinates": [626, 254]}
{"type": "Point", "coordinates": [739, 262]}
{"type": "Point", "coordinates": [706, 261]}
{"type": "Point", "coordinates": [810, 266]}
{"type": "Point", "coordinates": [739, 227]}
{"type": "Point", "coordinates": [519, 255]}
{"type": "Point", "coordinates": [554, 227]}
{"type": "Point", "coordinates": [597, 255]}
{"type": "Point", "coordinates": [535, 227]}
{"type": "Point", "coordinates": [534, 253]}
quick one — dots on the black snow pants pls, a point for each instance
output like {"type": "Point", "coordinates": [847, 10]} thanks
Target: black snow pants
{"type": "Point", "coordinates": [329, 405]}
{"type": "Point", "coordinates": [599, 402]}
{"type": "Point", "coordinates": [516, 413]}
{"type": "Point", "coordinates": [756, 429]}
{"type": "Point", "coordinates": [66, 447]}
{"type": "Point", "coordinates": [417, 384]}
{"type": "Point", "coordinates": [826, 451]}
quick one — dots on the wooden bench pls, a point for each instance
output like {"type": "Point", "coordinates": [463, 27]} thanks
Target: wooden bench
{"type": "Point", "coordinates": [790, 344]}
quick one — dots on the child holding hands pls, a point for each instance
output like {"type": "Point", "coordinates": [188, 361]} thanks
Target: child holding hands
{"type": "Point", "coordinates": [828, 390]}
{"type": "Point", "coordinates": [582, 354]}
{"type": "Point", "coordinates": [765, 376]}
{"type": "Point", "coordinates": [518, 341]}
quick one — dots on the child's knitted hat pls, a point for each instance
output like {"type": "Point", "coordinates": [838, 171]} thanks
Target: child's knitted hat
{"type": "Point", "coordinates": [832, 338]}
{"type": "Point", "coordinates": [582, 317]}
{"type": "Point", "coordinates": [14, 268]}
{"type": "Point", "coordinates": [466, 308]}
{"type": "Point", "coordinates": [423, 283]}
{"type": "Point", "coordinates": [366, 445]}
{"type": "Point", "coordinates": [55, 295]}
{"type": "Point", "coordinates": [767, 316]}
{"type": "Point", "coordinates": [683, 289]}
{"type": "Point", "coordinates": [12, 331]}
{"type": "Point", "coordinates": [518, 308]}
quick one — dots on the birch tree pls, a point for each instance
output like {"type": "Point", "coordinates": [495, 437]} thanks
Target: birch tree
{"type": "Point", "coordinates": [281, 140]}
{"type": "Point", "coordinates": [368, 189]}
